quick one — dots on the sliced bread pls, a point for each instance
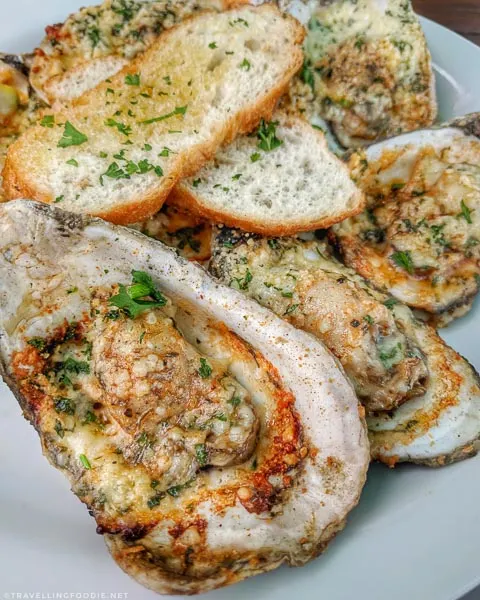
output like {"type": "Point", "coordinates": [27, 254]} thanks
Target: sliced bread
{"type": "Point", "coordinates": [120, 148]}
{"type": "Point", "coordinates": [279, 181]}
{"type": "Point", "coordinates": [104, 35]}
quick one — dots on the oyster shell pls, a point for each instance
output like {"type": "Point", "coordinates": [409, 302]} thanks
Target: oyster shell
{"type": "Point", "coordinates": [422, 398]}
{"type": "Point", "coordinates": [210, 439]}
{"type": "Point", "coordinates": [419, 238]}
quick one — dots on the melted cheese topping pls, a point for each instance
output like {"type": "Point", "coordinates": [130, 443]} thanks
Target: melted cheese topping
{"type": "Point", "coordinates": [420, 237]}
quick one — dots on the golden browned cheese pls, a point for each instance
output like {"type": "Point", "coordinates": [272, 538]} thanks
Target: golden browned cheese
{"type": "Point", "coordinates": [301, 282]}
{"type": "Point", "coordinates": [420, 236]}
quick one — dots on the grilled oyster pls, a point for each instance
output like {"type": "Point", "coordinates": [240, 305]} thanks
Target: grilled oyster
{"type": "Point", "coordinates": [368, 69]}
{"type": "Point", "coordinates": [419, 238]}
{"type": "Point", "coordinates": [189, 419]}
{"type": "Point", "coordinates": [391, 358]}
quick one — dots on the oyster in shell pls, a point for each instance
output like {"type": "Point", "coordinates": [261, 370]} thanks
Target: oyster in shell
{"type": "Point", "coordinates": [367, 71]}
{"type": "Point", "coordinates": [210, 439]}
{"type": "Point", "coordinates": [422, 398]}
{"type": "Point", "coordinates": [419, 238]}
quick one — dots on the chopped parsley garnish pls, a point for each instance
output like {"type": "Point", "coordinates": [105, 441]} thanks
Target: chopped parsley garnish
{"type": "Point", "coordinates": [132, 79]}
{"type": "Point", "coordinates": [85, 462]}
{"type": "Point", "coordinates": [403, 260]}
{"type": "Point", "coordinates": [238, 20]}
{"type": "Point", "coordinates": [113, 315]}
{"type": "Point", "coordinates": [90, 417]}
{"type": "Point", "coordinates": [388, 357]}
{"type": "Point", "coordinates": [236, 177]}
{"type": "Point", "coordinates": [369, 319]}
{"type": "Point", "coordinates": [345, 103]}
{"type": "Point", "coordinates": [48, 121]}
{"type": "Point", "coordinates": [147, 147]}
{"type": "Point", "coordinates": [390, 303]}
{"type": "Point", "coordinates": [360, 43]}
{"type": "Point", "coordinates": [37, 342]}
{"type": "Point", "coordinates": [245, 64]}
{"type": "Point", "coordinates": [205, 369]}
{"type": "Point", "coordinates": [122, 128]}
{"type": "Point", "coordinates": [174, 491]}
{"type": "Point", "coordinates": [307, 76]}
{"type": "Point", "coordinates": [65, 405]}
{"type": "Point", "coordinates": [133, 300]}
{"type": "Point", "coordinates": [94, 35]}
{"type": "Point", "coordinates": [167, 79]}
{"type": "Point", "coordinates": [243, 282]}
{"type": "Point", "coordinates": [165, 152]}
{"type": "Point", "coordinates": [155, 500]}
{"type": "Point", "coordinates": [255, 156]}
{"type": "Point", "coordinates": [72, 290]}
{"type": "Point", "coordinates": [115, 172]}
{"type": "Point", "coordinates": [212, 45]}
{"type": "Point", "coordinates": [59, 429]}
{"type": "Point", "coordinates": [235, 401]}
{"type": "Point", "coordinates": [292, 308]}
{"type": "Point", "coordinates": [59, 199]}
{"type": "Point", "coordinates": [178, 110]}
{"type": "Point", "coordinates": [201, 454]}
{"type": "Point", "coordinates": [144, 440]}
{"type": "Point", "coordinates": [72, 162]}
{"type": "Point", "coordinates": [397, 186]}
{"type": "Point", "coordinates": [71, 137]}
{"type": "Point", "coordinates": [466, 213]}
{"type": "Point", "coordinates": [438, 235]}
{"type": "Point", "coordinates": [76, 367]}
{"type": "Point", "coordinates": [267, 135]}
{"type": "Point", "coordinates": [130, 168]}
{"type": "Point", "coordinates": [274, 245]}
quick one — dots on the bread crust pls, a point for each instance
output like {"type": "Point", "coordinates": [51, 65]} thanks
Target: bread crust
{"type": "Point", "coordinates": [182, 198]}
{"type": "Point", "coordinates": [19, 181]}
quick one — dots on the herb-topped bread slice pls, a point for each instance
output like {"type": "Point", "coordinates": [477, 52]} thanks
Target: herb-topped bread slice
{"type": "Point", "coordinates": [120, 149]}
{"type": "Point", "coordinates": [95, 42]}
{"type": "Point", "coordinates": [281, 180]}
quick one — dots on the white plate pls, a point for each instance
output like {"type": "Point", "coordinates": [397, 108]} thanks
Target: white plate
{"type": "Point", "coordinates": [415, 534]}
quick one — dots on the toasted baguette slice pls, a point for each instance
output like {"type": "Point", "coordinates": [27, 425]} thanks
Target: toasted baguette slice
{"type": "Point", "coordinates": [297, 186]}
{"type": "Point", "coordinates": [96, 39]}
{"type": "Point", "coordinates": [121, 147]}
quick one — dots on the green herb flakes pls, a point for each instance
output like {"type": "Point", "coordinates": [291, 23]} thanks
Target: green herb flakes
{"type": "Point", "coordinates": [141, 295]}
{"type": "Point", "coordinates": [205, 369]}
{"type": "Point", "coordinates": [71, 137]}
